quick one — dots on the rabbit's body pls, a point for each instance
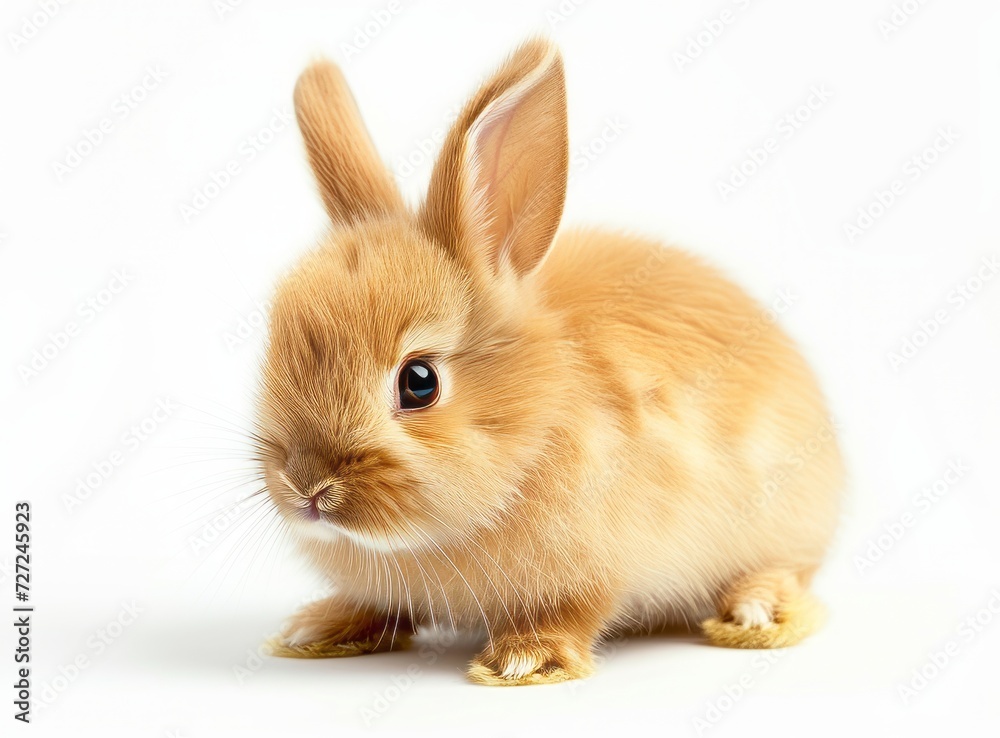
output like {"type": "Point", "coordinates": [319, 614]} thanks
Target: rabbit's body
{"type": "Point", "coordinates": [699, 452]}
{"type": "Point", "coordinates": [473, 423]}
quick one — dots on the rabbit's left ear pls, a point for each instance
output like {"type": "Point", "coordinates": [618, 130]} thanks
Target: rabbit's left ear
{"type": "Point", "coordinates": [497, 192]}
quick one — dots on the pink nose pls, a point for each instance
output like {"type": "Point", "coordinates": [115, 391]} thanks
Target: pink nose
{"type": "Point", "coordinates": [312, 511]}
{"type": "Point", "coordinates": [323, 499]}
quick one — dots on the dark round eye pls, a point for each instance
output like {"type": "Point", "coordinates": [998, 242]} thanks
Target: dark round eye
{"type": "Point", "coordinates": [418, 385]}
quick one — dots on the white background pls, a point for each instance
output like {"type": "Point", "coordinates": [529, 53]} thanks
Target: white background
{"type": "Point", "coordinates": [181, 331]}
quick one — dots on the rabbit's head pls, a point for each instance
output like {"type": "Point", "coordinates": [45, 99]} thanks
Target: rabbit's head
{"type": "Point", "coordinates": [411, 378]}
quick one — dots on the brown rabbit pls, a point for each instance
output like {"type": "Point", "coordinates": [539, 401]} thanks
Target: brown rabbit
{"type": "Point", "coordinates": [473, 423]}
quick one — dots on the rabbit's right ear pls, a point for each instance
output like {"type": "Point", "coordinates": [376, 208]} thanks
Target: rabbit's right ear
{"type": "Point", "coordinates": [354, 183]}
{"type": "Point", "coordinates": [497, 191]}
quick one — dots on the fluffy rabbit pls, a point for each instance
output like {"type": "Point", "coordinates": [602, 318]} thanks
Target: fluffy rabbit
{"type": "Point", "coordinates": [471, 422]}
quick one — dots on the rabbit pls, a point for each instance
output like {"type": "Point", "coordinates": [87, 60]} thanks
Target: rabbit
{"type": "Point", "coordinates": [473, 421]}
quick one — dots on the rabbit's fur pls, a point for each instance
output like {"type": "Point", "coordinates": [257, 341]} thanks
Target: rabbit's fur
{"type": "Point", "coordinates": [623, 438]}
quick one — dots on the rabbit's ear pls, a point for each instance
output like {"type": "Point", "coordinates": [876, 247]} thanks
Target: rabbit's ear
{"type": "Point", "coordinates": [353, 181]}
{"type": "Point", "coordinates": [496, 194]}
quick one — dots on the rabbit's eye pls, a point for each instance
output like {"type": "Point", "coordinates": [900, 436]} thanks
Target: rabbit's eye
{"type": "Point", "coordinates": [418, 385]}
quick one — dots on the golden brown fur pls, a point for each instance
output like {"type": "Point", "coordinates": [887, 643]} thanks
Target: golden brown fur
{"type": "Point", "coordinates": [624, 438]}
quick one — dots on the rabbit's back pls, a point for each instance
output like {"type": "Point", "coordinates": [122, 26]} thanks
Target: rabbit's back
{"type": "Point", "coordinates": [731, 459]}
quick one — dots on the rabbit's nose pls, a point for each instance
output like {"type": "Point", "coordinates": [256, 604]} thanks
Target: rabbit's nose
{"type": "Point", "coordinates": [325, 497]}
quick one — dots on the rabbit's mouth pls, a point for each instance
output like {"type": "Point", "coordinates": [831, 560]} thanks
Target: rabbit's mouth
{"type": "Point", "coordinates": [336, 510]}
{"type": "Point", "coordinates": [323, 528]}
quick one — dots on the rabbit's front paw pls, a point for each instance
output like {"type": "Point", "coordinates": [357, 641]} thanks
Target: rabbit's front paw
{"type": "Point", "coordinates": [530, 659]}
{"type": "Point", "coordinates": [331, 629]}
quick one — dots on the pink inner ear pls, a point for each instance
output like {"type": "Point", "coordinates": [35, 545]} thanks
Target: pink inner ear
{"type": "Point", "coordinates": [488, 137]}
{"type": "Point", "coordinates": [511, 169]}
{"type": "Point", "coordinates": [488, 144]}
